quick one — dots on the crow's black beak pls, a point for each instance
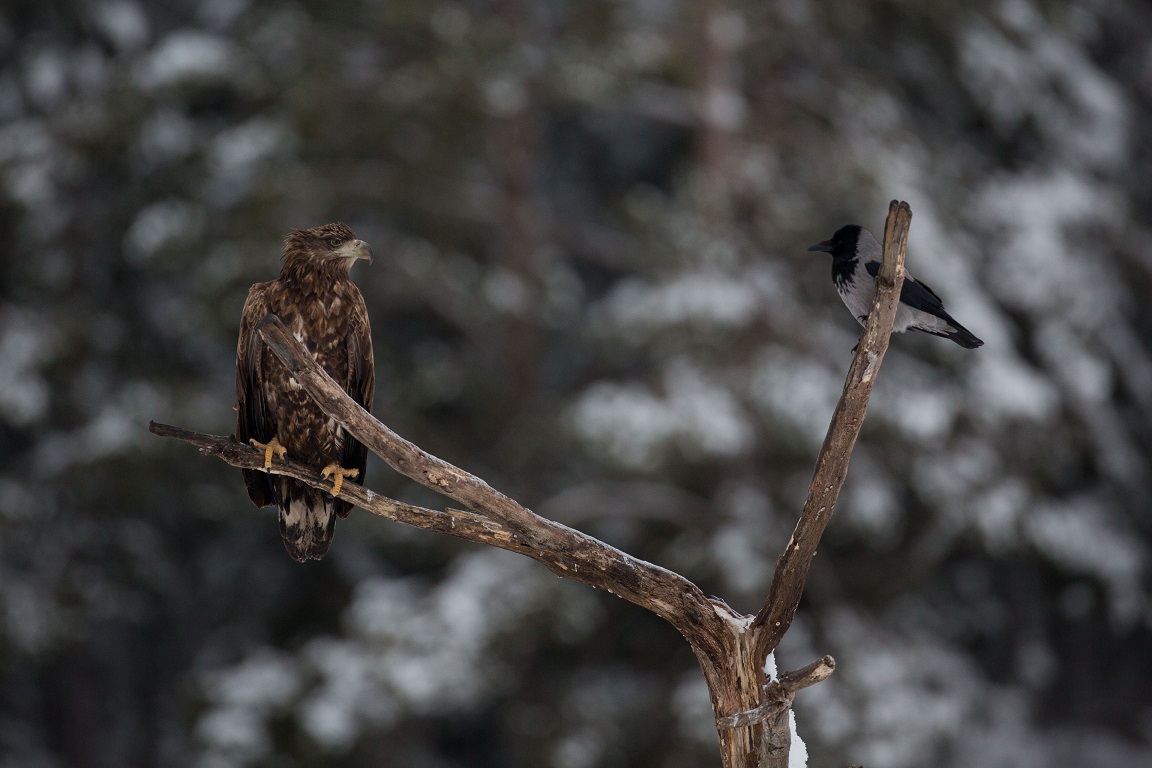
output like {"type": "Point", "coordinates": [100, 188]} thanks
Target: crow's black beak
{"type": "Point", "coordinates": [824, 245]}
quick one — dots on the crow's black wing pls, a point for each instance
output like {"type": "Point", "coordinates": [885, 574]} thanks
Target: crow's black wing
{"type": "Point", "coordinates": [914, 293]}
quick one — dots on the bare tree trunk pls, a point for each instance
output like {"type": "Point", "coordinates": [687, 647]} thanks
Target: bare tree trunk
{"type": "Point", "coordinates": [752, 712]}
{"type": "Point", "coordinates": [521, 217]}
{"type": "Point", "coordinates": [719, 106]}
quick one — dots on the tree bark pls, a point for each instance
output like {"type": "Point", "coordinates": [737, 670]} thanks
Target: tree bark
{"type": "Point", "coordinates": [752, 712]}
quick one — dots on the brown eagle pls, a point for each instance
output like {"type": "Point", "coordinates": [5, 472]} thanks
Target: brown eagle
{"type": "Point", "coordinates": [323, 308]}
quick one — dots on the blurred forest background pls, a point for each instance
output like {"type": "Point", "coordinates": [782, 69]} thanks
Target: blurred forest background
{"type": "Point", "coordinates": [590, 289]}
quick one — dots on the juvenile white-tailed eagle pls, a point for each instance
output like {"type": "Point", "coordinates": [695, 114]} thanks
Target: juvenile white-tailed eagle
{"type": "Point", "coordinates": [323, 308]}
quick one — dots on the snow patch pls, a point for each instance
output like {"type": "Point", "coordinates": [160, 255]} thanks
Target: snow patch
{"type": "Point", "coordinates": [188, 56]}
{"type": "Point", "coordinates": [637, 428]}
{"type": "Point", "coordinates": [697, 299]}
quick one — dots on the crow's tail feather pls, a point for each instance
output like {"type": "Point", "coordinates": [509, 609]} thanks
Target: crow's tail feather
{"type": "Point", "coordinates": [964, 337]}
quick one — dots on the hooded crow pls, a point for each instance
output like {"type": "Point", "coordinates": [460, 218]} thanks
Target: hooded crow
{"type": "Point", "coordinates": [855, 264]}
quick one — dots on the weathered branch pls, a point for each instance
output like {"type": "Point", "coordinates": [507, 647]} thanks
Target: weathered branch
{"type": "Point", "coordinates": [816, 672]}
{"type": "Point", "coordinates": [566, 551]}
{"type": "Point", "coordinates": [781, 691]}
{"type": "Point", "coordinates": [752, 712]}
{"type": "Point", "coordinates": [575, 555]}
{"type": "Point", "coordinates": [454, 522]}
{"type": "Point", "coordinates": [791, 573]}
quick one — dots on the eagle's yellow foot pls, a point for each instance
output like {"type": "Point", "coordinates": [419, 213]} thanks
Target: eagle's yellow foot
{"type": "Point", "coordinates": [271, 447]}
{"type": "Point", "coordinates": [340, 473]}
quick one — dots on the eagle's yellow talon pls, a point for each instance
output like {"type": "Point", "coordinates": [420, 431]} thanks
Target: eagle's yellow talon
{"type": "Point", "coordinates": [340, 473]}
{"type": "Point", "coordinates": [271, 447]}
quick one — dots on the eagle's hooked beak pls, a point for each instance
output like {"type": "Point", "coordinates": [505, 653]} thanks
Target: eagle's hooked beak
{"type": "Point", "coordinates": [823, 245]}
{"type": "Point", "coordinates": [356, 249]}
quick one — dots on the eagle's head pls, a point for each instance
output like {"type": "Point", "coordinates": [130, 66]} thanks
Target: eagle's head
{"type": "Point", "coordinates": [329, 247]}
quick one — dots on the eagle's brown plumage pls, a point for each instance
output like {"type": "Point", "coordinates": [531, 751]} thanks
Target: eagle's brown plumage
{"type": "Point", "coordinates": [323, 308]}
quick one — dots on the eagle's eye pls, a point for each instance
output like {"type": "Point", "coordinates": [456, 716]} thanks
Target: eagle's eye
{"type": "Point", "coordinates": [334, 242]}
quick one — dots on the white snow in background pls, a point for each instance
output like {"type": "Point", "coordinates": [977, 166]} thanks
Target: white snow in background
{"type": "Point", "coordinates": [1037, 266]}
{"type": "Point", "coordinates": [1074, 363]}
{"type": "Point", "coordinates": [1082, 537]}
{"type": "Point", "coordinates": [626, 421]}
{"type": "Point", "coordinates": [1044, 76]}
{"type": "Point", "coordinates": [239, 155]}
{"type": "Point", "coordinates": [739, 558]}
{"type": "Point", "coordinates": [712, 422]}
{"type": "Point", "coordinates": [160, 224]}
{"type": "Point", "coordinates": [900, 697]}
{"type": "Point", "coordinates": [505, 95]}
{"type": "Point", "coordinates": [238, 150]}
{"type": "Point", "coordinates": [29, 620]}
{"type": "Point", "coordinates": [584, 749]}
{"type": "Point", "coordinates": [188, 56]}
{"type": "Point", "coordinates": [869, 504]}
{"type": "Point", "coordinates": [595, 705]}
{"type": "Point", "coordinates": [794, 389]}
{"type": "Point", "coordinates": [220, 13]}
{"type": "Point", "coordinates": [738, 547]}
{"type": "Point", "coordinates": [637, 308]}
{"type": "Point", "coordinates": [27, 157]}
{"type": "Point", "coordinates": [954, 474]}
{"type": "Point", "coordinates": [926, 415]}
{"type": "Point", "coordinates": [1005, 387]}
{"type": "Point", "coordinates": [507, 291]}
{"type": "Point", "coordinates": [693, 710]}
{"type": "Point", "coordinates": [410, 647]}
{"type": "Point", "coordinates": [116, 427]}
{"type": "Point", "coordinates": [26, 342]}
{"type": "Point", "coordinates": [916, 690]}
{"type": "Point", "coordinates": [920, 400]}
{"type": "Point", "coordinates": [244, 696]}
{"type": "Point", "coordinates": [996, 513]}
{"type": "Point", "coordinates": [636, 427]}
{"type": "Point", "coordinates": [347, 697]}
{"type": "Point", "coordinates": [166, 136]}
{"type": "Point", "coordinates": [124, 23]}
{"type": "Point", "coordinates": [418, 649]}
{"type": "Point", "coordinates": [46, 77]}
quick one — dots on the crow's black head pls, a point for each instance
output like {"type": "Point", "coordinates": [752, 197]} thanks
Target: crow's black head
{"type": "Point", "coordinates": [842, 245]}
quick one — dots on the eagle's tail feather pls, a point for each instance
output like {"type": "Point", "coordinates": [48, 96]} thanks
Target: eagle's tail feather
{"type": "Point", "coordinates": [259, 487]}
{"type": "Point", "coordinates": [307, 522]}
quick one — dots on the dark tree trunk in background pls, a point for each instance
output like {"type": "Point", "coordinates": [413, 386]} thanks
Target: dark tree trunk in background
{"type": "Point", "coordinates": [719, 107]}
{"type": "Point", "coordinates": [521, 216]}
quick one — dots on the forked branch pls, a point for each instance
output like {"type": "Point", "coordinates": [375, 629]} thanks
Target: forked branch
{"type": "Point", "coordinates": [751, 711]}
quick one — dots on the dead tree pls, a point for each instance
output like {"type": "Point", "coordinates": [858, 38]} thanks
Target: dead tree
{"type": "Point", "coordinates": [751, 710]}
